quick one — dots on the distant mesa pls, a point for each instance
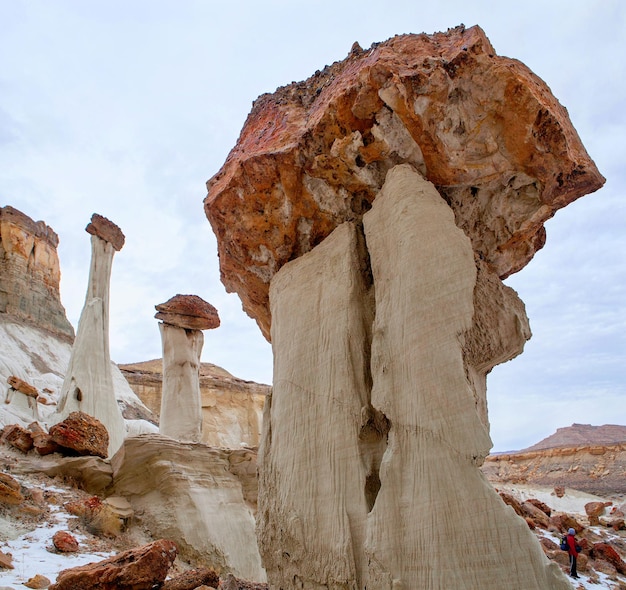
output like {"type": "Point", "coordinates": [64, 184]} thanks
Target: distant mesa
{"type": "Point", "coordinates": [582, 435]}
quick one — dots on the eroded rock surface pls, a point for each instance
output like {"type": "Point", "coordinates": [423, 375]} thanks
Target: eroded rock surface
{"type": "Point", "coordinates": [183, 317]}
{"type": "Point", "coordinates": [30, 273]}
{"type": "Point", "coordinates": [379, 392]}
{"type": "Point", "coordinates": [380, 204]}
{"type": "Point", "coordinates": [200, 497]}
{"type": "Point", "coordinates": [88, 384]}
{"type": "Point", "coordinates": [483, 128]}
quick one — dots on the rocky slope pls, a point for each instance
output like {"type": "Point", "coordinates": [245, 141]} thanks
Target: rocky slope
{"type": "Point", "coordinates": [581, 456]}
{"type": "Point", "coordinates": [232, 408]}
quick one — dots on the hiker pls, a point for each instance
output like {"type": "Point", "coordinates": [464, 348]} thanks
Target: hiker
{"type": "Point", "coordinates": [573, 549]}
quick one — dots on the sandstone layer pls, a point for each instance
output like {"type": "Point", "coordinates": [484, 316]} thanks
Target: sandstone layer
{"type": "Point", "coordinates": [232, 408]}
{"type": "Point", "coordinates": [483, 128]}
{"type": "Point", "coordinates": [205, 505]}
{"type": "Point", "coordinates": [383, 338]}
{"type": "Point", "coordinates": [30, 273]}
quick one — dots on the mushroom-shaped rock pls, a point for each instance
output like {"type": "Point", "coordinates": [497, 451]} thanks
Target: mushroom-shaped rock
{"type": "Point", "coordinates": [183, 319]}
{"type": "Point", "coordinates": [484, 129]}
{"type": "Point", "coordinates": [88, 384]}
{"type": "Point", "coordinates": [366, 218]}
{"type": "Point", "coordinates": [188, 311]}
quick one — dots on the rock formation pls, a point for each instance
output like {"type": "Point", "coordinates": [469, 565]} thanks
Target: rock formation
{"type": "Point", "coordinates": [205, 505]}
{"type": "Point", "coordinates": [366, 218]}
{"type": "Point", "coordinates": [30, 274]}
{"type": "Point", "coordinates": [183, 319]}
{"type": "Point", "coordinates": [142, 568]}
{"type": "Point", "coordinates": [232, 408]}
{"type": "Point", "coordinates": [88, 384]}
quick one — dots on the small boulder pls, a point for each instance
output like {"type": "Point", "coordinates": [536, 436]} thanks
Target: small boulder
{"type": "Point", "coordinates": [10, 490]}
{"type": "Point", "coordinates": [65, 542]}
{"type": "Point", "coordinates": [559, 491]}
{"type": "Point", "coordinates": [42, 441]}
{"type": "Point", "coordinates": [563, 522]}
{"type": "Point", "coordinates": [6, 561]}
{"type": "Point", "coordinates": [23, 387]}
{"type": "Point", "coordinates": [192, 579]}
{"type": "Point", "coordinates": [594, 510]}
{"type": "Point", "coordinates": [82, 434]}
{"type": "Point", "coordinates": [17, 437]}
{"type": "Point", "coordinates": [604, 551]}
{"type": "Point", "coordinates": [539, 517]}
{"type": "Point", "coordinates": [141, 568]}
{"type": "Point", "coordinates": [512, 502]}
{"type": "Point", "coordinates": [38, 582]}
{"type": "Point", "coordinates": [539, 504]}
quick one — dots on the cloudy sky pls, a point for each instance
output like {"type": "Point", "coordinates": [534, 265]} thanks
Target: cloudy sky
{"type": "Point", "coordinates": [126, 108]}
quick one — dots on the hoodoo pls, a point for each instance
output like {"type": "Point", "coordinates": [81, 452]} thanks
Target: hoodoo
{"type": "Point", "coordinates": [366, 218]}
{"type": "Point", "coordinates": [183, 317]}
{"type": "Point", "coordinates": [88, 384]}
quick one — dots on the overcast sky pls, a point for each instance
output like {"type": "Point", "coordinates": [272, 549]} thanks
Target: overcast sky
{"type": "Point", "coordinates": [126, 108]}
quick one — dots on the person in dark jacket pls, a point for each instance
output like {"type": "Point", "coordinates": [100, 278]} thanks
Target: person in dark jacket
{"type": "Point", "coordinates": [573, 550]}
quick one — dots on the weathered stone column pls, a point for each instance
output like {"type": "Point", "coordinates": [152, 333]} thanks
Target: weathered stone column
{"type": "Point", "coordinates": [88, 383]}
{"type": "Point", "coordinates": [183, 317]}
{"type": "Point", "coordinates": [367, 217]}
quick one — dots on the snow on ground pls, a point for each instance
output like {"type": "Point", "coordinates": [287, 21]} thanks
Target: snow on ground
{"type": "Point", "coordinates": [33, 552]}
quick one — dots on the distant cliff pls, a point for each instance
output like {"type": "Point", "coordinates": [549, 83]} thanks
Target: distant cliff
{"type": "Point", "coordinates": [231, 408]}
{"type": "Point", "coordinates": [583, 457]}
{"type": "Point", "coordinates": [30, 274]}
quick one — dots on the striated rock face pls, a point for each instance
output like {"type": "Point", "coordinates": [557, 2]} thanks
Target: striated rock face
{"type": "Point", "coordinates": [30, 274]}
{"type": "Point", "coordinates": [379, 392]}
{"type": "Point", "coordinates": [200, 497]}
{"type": "Point", "coordinates": [232, 408]}
{"type": "Point", "coordinates": [483, 128]}
{"type": "Point", "coordinates": [366, 217]}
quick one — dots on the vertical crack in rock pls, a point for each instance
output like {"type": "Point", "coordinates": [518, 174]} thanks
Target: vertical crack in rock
{"type": "Point", "coordinates": [374, 431]}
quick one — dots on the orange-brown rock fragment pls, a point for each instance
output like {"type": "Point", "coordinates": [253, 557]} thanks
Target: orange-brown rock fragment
{"type": "Point", "coordinates": [23, 387]}
{"type": "Point", "coordinates": [483, 128]}
{"type": "Point", "coordinates": [106, 230]}
{"type": "Point", "coordinates": [188, 311]}
{"type": "Point", "coordinates": [142, 568]}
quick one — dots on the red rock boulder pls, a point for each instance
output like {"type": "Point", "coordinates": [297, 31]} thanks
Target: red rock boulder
{"type": "Point", "coordinates": [17, 437]}
{"type": "Point", "coordinates": [605, 552]}
{"type": "Point", "coordinates": [141, 568]}
{"type": "Point", "coordinates": [594, 510]}
{"type": "Point", "coordinates": [65, 542]}
{"type": "Point", "coordinates": [81, 434]}
{"type": "Point", "coordinates": [192, 579]}
{"type": "Point", "coordinates": [10, 490]}
{"type": "Point", "coordinates": [484, 129]}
